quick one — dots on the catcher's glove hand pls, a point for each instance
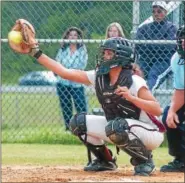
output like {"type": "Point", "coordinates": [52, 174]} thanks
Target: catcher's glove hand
{"type": "Point", "coordinates": [29, 45]}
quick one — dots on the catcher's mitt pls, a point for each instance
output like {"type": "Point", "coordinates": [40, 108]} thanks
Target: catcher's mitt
{"type": "Point", "coordinates": [29, 45]}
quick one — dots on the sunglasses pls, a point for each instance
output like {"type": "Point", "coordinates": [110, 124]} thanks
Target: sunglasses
{"type": "Point", "coordinates": [157, 11]}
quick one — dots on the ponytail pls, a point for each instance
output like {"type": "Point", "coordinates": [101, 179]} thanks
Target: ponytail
{"type": "Point", "coordinates": [136, 70]}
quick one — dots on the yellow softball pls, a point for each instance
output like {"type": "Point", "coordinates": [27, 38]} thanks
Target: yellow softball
{"type": "Point", "coordinates": [15, 37]}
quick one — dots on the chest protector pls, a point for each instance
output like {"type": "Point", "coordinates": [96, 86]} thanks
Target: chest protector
{"type": "Point", "coordinates": [112, 104]}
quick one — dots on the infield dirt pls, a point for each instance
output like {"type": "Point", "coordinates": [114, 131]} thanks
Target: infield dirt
{"type": "Point", "coordinates": [76, 174]}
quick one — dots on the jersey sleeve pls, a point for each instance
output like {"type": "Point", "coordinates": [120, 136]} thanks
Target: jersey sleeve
{"type": "Point", "coordinates": [138, 83]}
{"type": "Point", "coordinates": [91, 76]}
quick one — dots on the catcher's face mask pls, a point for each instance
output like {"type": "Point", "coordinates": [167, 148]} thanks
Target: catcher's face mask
{"type": "Point", "coordinates": [114, 52]}
{"type": "Point", "coordinates": [107, 54]}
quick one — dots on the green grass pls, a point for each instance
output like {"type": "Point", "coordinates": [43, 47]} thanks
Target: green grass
{"type": "Point", "coordinates": [43, 135]}
{"type": "Point", "coordinates": [44, 154]}
{"type": "Point", "coordinates": [21, 109]}
{"type": "Point", "coordinates": [35, 118]}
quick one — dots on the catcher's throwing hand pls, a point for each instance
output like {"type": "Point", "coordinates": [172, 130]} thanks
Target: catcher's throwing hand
{"type": "Point", "coordinates": [124, 92]}
{"type": "Point", "coordinates": [29, 45]}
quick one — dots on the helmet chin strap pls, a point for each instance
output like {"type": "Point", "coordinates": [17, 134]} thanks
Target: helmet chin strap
{"type": "Point", "coordinates": [181, 52]}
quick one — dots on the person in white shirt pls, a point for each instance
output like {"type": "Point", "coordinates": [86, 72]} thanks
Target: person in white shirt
{"type": "Point", "coordinates": [130, 109]}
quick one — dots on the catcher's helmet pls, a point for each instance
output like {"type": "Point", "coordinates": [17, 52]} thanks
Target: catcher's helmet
{"type": "Point", "coordinates": [123, 54]}
{"type": "Point", "coordinates": [180, 35]}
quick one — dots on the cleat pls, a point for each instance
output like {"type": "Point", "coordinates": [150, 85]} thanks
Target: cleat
{"type": "Point", "coordinates": [144, 169]}
{"type": "Point", "coordinates": [97, 165]}
{"type": "Point", "coordinates": [174, 166]}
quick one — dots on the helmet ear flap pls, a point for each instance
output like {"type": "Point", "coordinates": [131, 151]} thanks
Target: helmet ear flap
{"type": "Point", "coordinates": [180, 32]}
{"type": "Point", "coordinates": [180, 35]}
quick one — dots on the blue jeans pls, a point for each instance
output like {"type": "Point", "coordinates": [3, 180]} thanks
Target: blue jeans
{"type": "Point", "coordinates": [153, 70]}
{"type": "Point", "coordinates": [66, 94]}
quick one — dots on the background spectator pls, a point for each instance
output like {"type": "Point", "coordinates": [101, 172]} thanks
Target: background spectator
{"type": "Point", "coordinates": [154, 59]}
{"type": "Point", "coordinates": [74, 56]}
{"type": "Point", "coordinates": [114, 30]}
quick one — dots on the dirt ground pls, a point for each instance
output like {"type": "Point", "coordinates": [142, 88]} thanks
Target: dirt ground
{"type": "Point", "coordinates": [76, 174]}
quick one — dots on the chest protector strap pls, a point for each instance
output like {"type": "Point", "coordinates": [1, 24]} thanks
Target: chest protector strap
{"type": "Point", "coordinates": [112, 104]}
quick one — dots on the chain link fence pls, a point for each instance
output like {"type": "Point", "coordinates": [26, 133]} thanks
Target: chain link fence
{"type": "Point", "coordinates": [31, 110]}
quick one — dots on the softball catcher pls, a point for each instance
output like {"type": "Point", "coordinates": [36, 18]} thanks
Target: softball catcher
{"type": "Point", "coordinates": [130, 109]}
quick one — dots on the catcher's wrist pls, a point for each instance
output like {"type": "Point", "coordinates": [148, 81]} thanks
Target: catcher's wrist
{"type": "Point", "coordinates": [38, 54]}
{"type": "Point", "coordinates": [35, 52]}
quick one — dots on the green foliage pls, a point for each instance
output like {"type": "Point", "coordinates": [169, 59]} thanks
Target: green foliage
{"type": "Point", "coordinates": [44, 135]}
{"type": "Point", "coordinates": [29, 118]}
{"type": "Point", "coordinates": [50, 20]}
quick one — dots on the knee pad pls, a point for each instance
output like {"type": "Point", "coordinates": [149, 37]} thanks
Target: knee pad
{"type": "Point", "coordinates": [117, 131]}
{"type": "Point", "coordinates": [77, 124]}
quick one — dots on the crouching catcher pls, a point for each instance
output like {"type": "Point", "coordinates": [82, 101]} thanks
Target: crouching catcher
{"type": "Point", "coordinates": [130, 109]}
